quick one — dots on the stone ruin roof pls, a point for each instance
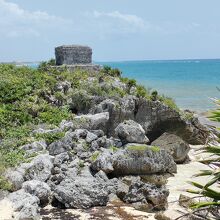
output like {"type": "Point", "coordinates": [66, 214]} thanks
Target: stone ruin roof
{"type": "Point", "coordinates": [73, 55]}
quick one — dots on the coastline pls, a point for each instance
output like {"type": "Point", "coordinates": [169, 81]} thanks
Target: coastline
{"type": "Point", "coordinates": [109, 116]}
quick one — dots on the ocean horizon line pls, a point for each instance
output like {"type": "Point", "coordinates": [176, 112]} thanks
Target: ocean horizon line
{"type": "Point", "coordinates": [122, 61]}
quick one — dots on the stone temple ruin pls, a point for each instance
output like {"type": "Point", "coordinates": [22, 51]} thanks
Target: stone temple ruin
{"type": "Point", "coordinates": [75, 57]}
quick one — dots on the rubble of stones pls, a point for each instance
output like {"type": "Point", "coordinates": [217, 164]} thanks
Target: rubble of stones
{"type": "Point", "coordinates": [118, 149]}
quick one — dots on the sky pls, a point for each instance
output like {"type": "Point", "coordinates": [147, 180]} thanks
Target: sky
{"type": "Point", "coordinates": [117, 30]}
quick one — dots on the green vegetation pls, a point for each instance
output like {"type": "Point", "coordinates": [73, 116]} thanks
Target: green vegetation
{"type": "Point", "coordinates": [187, 115]}
{"type": "Point", "coordinates": [114, 149]}
{"type": "Point", "coordinates": [46, 96]}
{"type": "Point", "coordinates": [142, 92]}
{"type": "Point", "coordinates": [169, 102]}
{"type": "Point", "coordinates": [215, 174]}
{"type": "Point", "coordinates": [81, 164]}
{"type": "Point", "coordinates": [212, 196]}
{"type": "Point", "coordinates": [154, 96]}
{"type": "Point", "coordinates": [215, 115]}
{"type": "Point", "coordinates": [95, 156]}
{"type": "Point", "coordinates": [143, 148]}
{"type": "Point", "coordinates": [4, 184]}
{"type": "Point", "coordinates": [111, 72]}
{"type": "Point", "coordinates": [49, 137]}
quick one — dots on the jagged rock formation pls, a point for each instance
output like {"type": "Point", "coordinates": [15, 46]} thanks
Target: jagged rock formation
{"type": "Point", "coordinates": [135, 160]}
{"type": "Point", "coordinates": [174, 145]}
{"type": "Point", "coordinates": [101, 154]}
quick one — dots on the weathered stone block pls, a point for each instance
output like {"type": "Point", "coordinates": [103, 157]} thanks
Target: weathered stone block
{"type": "Point", "coordinates": [73, 54]}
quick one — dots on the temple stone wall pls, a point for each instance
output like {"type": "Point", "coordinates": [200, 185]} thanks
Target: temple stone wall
{"type": "Point", "coordinates": [73, 54]}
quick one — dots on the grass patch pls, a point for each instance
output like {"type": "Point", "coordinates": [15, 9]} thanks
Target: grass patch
{"type": "Point", "coordinates": [95, 156]}
{"type": "Point", "coordinates": [114, 149]}
{"type": "Point", "coordinates": [5, 184]}
{"type": "Point", "coordinates": [50, 137]}
{"type": "Point", "coordinates": [143, 148]}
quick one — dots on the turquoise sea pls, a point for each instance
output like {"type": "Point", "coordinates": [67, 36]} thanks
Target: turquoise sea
{"type": "Point", "coordinates": [191, 83]}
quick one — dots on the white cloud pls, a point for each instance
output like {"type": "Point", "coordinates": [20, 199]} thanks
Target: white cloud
{"type": "Point", "coordinates": [16, 21]}
{"type": "Point", "coordinates": [116, 22]}
{"type": "Point", "coordinates": [128, 19]}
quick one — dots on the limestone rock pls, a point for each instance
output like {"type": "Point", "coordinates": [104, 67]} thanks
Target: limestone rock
{"type": "Point", "coordinates": [156, 179]}
{"type": "Point", "coordinates": [154, 116]}
{"type": "Point", "coordinates": [66, 125]}
{"type": "Point", "coordinates": [82, 191]}
{"type": "Point", "coordinates": [174, 145]}
{"type": "Point", "coordinates": [40, 168]}
{"type": "Point", "coordinates": [63, 86]}
{"type": "Point", "coordinates": [16, 178]}
{"type": "Point", "coordinates": [3, 194]}
{"type": "Point", "coordinates": [157, 118]}
{"type": "Point", "coordinates": [25, 204]}
{"type": "Point", "coordinates": [119, 111]}
{"type": "Point", "coordinates": [146, 195]}
{"type": "Point", "coordinates": [135, 161]}
{"type": "Point", "coordinates": [104, 162]}
{"type": "Point", "coordinates": [34, 147]}
{"type": "Point", "coordinates": [39, 189]}
{"type": "Point", "coordinates": [91, 137]}
{"type": "Point", "coordinates": [60, 159]}
{"type": "Point", "coordinates": [131, 132]}
{"type": "Point", "coordinates": [62, 145]}
{"type": "Point", "coordinates": [92, 121]}
{"type": "Point", "coordinates": [42, 130]}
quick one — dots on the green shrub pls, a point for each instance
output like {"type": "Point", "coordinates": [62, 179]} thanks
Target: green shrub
{"type": "Point", "coordinates": [95, 156]}
{"type": "Point", "coordinates": [50, 137]}
{"type": "Point", "coordinates": [131, 83]}
{"type": "Point", "coordinates": [116, 92]}
{"type": "Point", "coordinates": [142, 92]}
{"type": "Point", "coordinates": [80, 101]}
{"type": "Point", "coordinates": [81, 164]}
{"type": "Point", "coordinates": [114, 149]}
{"type": "Point", "coordinates": [154, 95]}
{"type": "Point", "coordinates": [115, 72]}
{"type": "Point", "coordinates": [45, 66]}
{"type": "Point", "coordinates": [169, 102]}
{"type": "Point", "coordinates": [13, 157]}
{"type": "Point", "coordinates": [106, 69]}
{"type": "Point", "coordinates": [215, 114]}
{"type": "Point", "coordinates": [5, 184]}
{"type": "Point", "coordinates": [53, 115]}
{"type": "Point", "coordinates": [111, 72]}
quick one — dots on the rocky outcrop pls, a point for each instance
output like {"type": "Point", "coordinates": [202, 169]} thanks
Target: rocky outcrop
{"type": "Point", "coordinates": [131, 132]}
{"type": "Point", "coordinates": [16, 179]}
{"type": "Point", "coordinates": [155, 118]}
{"type": "Point", "coordinates": [144, 196]}
{"type": "Point", "coordinates": [99, 154]}
{"type": "Point", "coordinates": [135, 160]}
{"type": "Point", "coordinates": [24, 204]}
{"type": "Point", "coordinates": [174, 145]}
{"type": "Point", "coordinates": [119, 111]}
{"type": "Point", "coordinates": [92, 121]}
{"type": "Point", "coordinates": [37, 146]}
{"type": "Point", "coordinates": [82, 191]}
{"type": "Point", "coordinates": [39, 189]}
{"type": "Point", "coordinates": [40, 168]}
